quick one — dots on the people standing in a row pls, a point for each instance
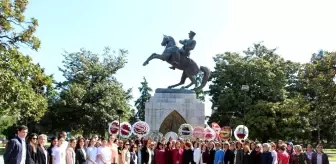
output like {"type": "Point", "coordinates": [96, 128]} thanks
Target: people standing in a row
{"type": "Point", "coordinates": [114, 151]}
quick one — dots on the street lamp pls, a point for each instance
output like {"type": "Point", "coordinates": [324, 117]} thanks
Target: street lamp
{"type": "Point", "coordinates": [119, 113]}
{"type": "Point", "coordinates": [137, 118]}
{"type": "Point", "coordinates": [215, 109]}
{"type": "Point", "coordinates": [244, 88]}
{"type": "Point", "coordinates": [206, 120]}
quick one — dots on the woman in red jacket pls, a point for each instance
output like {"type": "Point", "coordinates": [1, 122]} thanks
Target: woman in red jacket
{"type": "Point", "coordinates": [160, 154]}
{"type": "Point", "coordinates": [169, 153]}
{"type": "Point", "coordinates": [177, 153]}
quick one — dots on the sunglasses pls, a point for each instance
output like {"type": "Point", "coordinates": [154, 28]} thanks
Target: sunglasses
{"type": "Point", "coordinates": [135, 147]}
{"type": "Point", "coordinates": [34, 138]}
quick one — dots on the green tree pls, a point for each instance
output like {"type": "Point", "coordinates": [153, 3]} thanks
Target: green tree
{"type": "Point", "coordinates": [15, 29]}
{"type": "Point", "coordinates": [144, 97]}
{"type": "Point", "coordinates": [317, 83]}
{"type": "Point", "coordinates": [91, 94]}
{"type": "Point", "coordinates": [23, 85]}
{"type": "Point", "coordinates": [268, 76]}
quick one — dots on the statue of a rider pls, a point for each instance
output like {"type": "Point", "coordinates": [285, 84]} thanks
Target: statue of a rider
{"type": "Point", "coordinates": [188, 45]}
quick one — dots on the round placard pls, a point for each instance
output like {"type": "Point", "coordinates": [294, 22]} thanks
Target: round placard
{"type": "Point", "coordinates": [114, 128]}
{"type": "Point", "coordinates": [141, 129]}
{"type": "Point", "coordinates": [125, 130]}
{"type": "Point", "coordinates": [198, 132]}
{"type": "Point", "coordinates": [225, 133]}
{"type": "Point", "coordinates": [209, 133]}
{"type": "Point", "coordinates": [185, 131]}
{"type": "Point", "coordinates": [216, 127]}
{"type": "Point", "coordinates": [171, 136]}
{"type": "Point", "coordinates": [241, 132]}
{"type": "Point", "coordinates": [156, 136]}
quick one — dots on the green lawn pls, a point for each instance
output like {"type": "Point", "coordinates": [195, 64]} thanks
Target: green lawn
{"type": "Point", "coordinates": [2, 150]}
{"type": "Point", "coordinates": [331, 154]}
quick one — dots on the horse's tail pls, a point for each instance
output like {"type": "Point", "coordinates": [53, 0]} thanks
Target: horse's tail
{"type": "Point", "coordinates": [206, 75]}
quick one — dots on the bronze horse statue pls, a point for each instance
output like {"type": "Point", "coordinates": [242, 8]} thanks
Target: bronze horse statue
{"type": "Point", "coordinates": [188, 66]}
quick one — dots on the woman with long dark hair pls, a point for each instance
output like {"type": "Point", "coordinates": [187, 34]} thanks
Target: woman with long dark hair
{"type": "Point", "coordinates": [125, 153]}
{"type": "Point", "coordinates": [169, 153]}
{"type": "Point", "coordinates": [133, 154]}
{"type": "Point", "coordinates": [80, 151]}
{"type": "Point", "coordinates": [159, 154]}
{"type": "Point", "coordinates": [205, 154]}
{"type": "Point", "coordinates": [53, 143]}
{"type": "Point", "coordinates": [212, 151]}
{"type": "Point", "coordinates": [31, 157]}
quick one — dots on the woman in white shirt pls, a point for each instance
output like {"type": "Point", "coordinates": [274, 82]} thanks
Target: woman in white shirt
{"type": "Point", "coordinates": [197, 153]}
{"type": "Point", "coordinates": [92, 152]}
{"type": "Point", "coordinates": [104, 153]}
{"type": "Point", "coordinates": [126, 154]}
{"type": "Point", "coordinates": [58, 152]}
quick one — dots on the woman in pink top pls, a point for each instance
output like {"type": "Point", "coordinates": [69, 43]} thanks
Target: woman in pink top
{"type": "Point", "coordinates": [159, 154]}
{"type": "Point", "coordinates": [177, 153]}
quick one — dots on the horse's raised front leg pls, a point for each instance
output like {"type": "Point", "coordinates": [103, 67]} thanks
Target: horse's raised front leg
{"type": "Point", "coordinates": [193, 81]}
{"type": "Point", "coordinates": [154, 56]}
{"type": "Point", "coordinates": [149, 59]}
{"type": "Point", "coordinates": [182, 81]}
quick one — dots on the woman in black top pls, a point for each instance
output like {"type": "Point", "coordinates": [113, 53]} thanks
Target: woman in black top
{"type": "Point", "coordinates": [133, 153]}
{"type": "Point", "coordinates": [80, 151]}
{"type": "Point", "coordinates": [256, 155]}
{"type": "Point", "coordinates": [31, 157]}
{"type": "Point", "coordinates": [188, 155]}
{"type": "Point", "coordinates": [246, 157]}
{"type": "Point", "coordinates": [42, 154]}
{"type": "Point", "coordinates": [212, 150]}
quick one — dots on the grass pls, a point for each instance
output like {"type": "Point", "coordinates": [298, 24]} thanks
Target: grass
{"type": "Point", "coordinates": [2, 150]}
{"type": "Point", "coordinates": [331, 154]}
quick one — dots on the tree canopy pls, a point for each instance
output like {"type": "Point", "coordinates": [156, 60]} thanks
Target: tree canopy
{"type": "Point", "coordinates": [276, 103]}
{"type": "Point", "coordinates": [24, 86]}
{"type": "Point", "coordinates": [15, 29]}
{"type": "Point", "coordinates": [91, 94]}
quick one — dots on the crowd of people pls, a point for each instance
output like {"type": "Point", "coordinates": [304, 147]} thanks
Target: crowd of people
{"type": "Point", "coordinates": [100, 150]}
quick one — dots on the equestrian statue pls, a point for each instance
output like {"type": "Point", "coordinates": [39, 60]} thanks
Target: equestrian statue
{"type": "Point", "coordinates": [179, 59]}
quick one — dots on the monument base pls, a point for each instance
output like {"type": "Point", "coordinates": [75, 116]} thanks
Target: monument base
{"type": "Point", "coordinates": [169, 108]}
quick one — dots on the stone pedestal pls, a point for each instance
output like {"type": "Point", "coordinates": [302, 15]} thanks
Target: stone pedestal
{"type": "Point", "coordinates": [169, 108]}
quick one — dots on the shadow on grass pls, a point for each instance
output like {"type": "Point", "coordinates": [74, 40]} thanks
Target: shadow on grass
{"type": "Point", "coordinates": [2, 150]}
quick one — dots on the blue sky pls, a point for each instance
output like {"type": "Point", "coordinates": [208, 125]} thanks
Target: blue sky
{"type": "Point", "coordinates": [297, 28]}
